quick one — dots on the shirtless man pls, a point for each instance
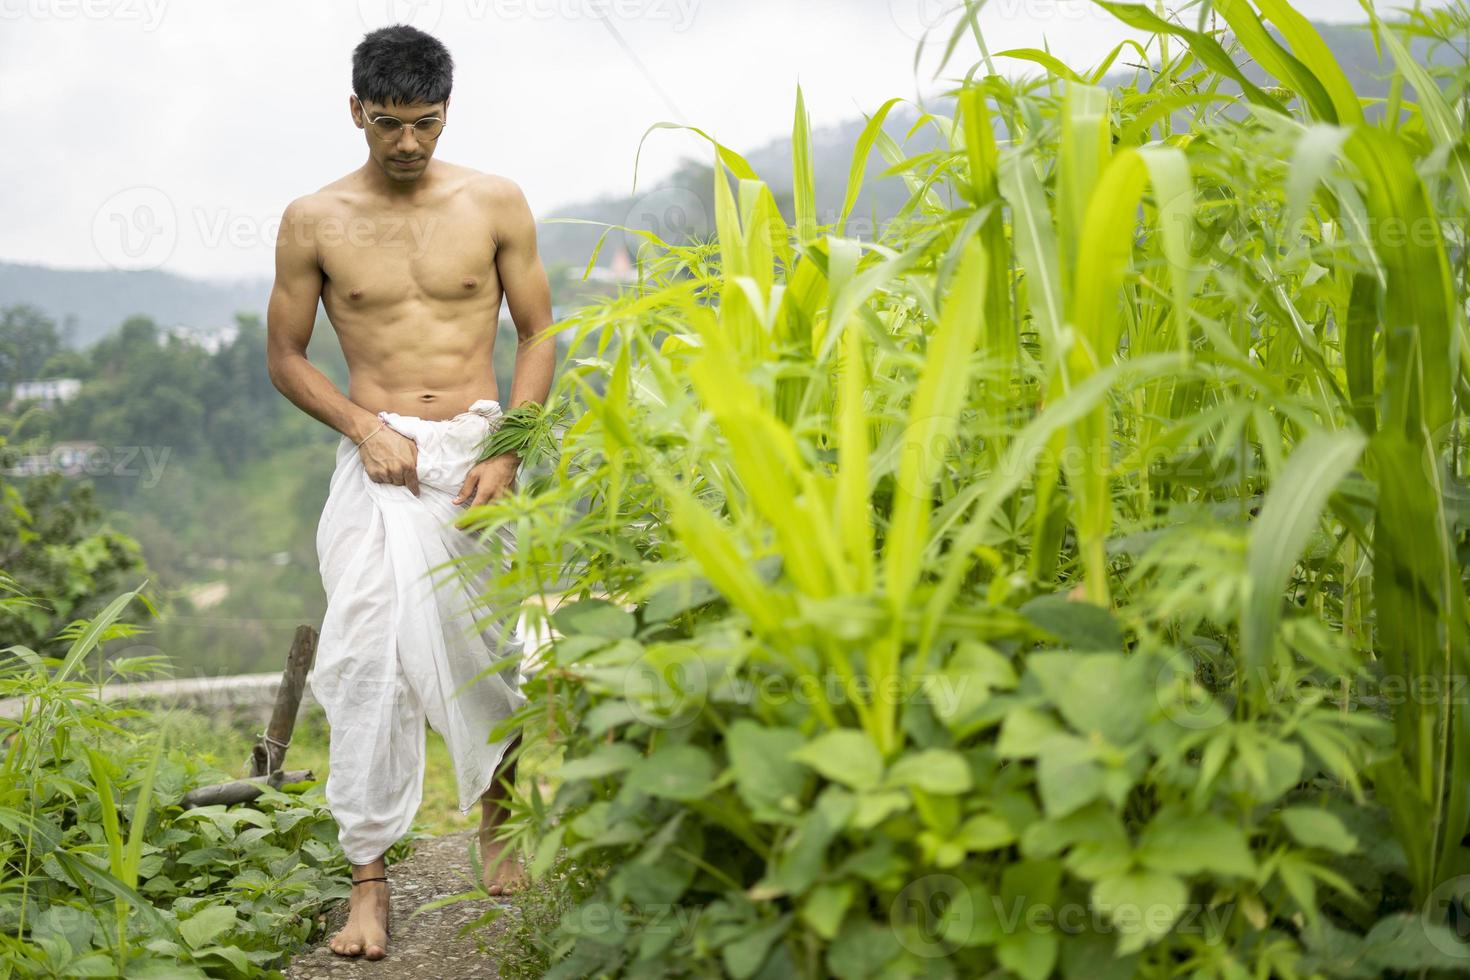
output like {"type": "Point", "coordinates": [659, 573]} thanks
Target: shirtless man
{"type": "Point", "coordinates": [410, 257]}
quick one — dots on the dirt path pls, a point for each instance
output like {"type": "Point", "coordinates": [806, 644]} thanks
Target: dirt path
{"type": "Point", "coordinates": [425, 946]}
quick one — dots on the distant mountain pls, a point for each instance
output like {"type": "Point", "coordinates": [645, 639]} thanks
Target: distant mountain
{"type": "Point", "coordinates": [683, 204]}
{"type": "Point", "coordinates": [88, 304]}
{"type": "Point", "coordinates": [1352, 44]}
{"type": "Point", "coordinates": [96, 302]}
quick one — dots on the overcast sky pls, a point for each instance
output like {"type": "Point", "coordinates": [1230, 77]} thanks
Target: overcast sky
{"type": "Point", "coordinates": [171, 133]}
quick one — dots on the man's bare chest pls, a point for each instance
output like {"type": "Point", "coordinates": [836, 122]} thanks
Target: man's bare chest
{"type": "Point", "coordinates": [441, 254]}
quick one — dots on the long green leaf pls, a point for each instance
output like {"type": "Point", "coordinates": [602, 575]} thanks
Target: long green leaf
{"type": "Point", "coordinates": [931, 420]}
{"type": "Point", "coordinates": [92, 635]}
{"type": "Point", "coordinates": [803, 186]}
{"type": "Point", "coordinates": [1289, 517]}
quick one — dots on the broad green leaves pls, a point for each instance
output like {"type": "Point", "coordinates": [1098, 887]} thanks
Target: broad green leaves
{"type": "Point", "coordinates": [1087, 501]}
{"type": "Point", "coordinates": [844, 756]}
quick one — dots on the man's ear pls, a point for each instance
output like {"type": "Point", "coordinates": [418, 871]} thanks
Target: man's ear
{"type": "Point", "coordinates": [445, 113]}
{"type": "Point", "coordinates": [352, 108]}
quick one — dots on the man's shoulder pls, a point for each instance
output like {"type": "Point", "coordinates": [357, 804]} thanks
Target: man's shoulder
{"type": "Point", "coordinates": [489, 188]}
{"type": "Point", "coordinates": [328, 199]}
{"type": "Point", "coordinates": [496, 188]}
{"type": "Point", "coordinates": [501, 187]}
{"type": "Point", "coordinates": [495, 199]}
{"type": "Point", "coordinates": [499, 201]}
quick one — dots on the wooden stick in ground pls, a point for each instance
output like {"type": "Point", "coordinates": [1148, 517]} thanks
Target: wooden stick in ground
{"type": "Point", "coordinates": [270, 751]}
{"type": "Point", "coordinates": [242, 790]}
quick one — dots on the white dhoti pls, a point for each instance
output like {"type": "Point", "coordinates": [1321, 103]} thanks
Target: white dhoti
{"type": "Point", "coordinates": [405, 634]}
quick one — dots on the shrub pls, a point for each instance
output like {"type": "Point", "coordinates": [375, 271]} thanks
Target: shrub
{"type": "Point", "coordinates": [1069, 582]}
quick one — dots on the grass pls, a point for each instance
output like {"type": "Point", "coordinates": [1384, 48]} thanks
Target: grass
{"type": "Point", "coordinates": [226, 744]}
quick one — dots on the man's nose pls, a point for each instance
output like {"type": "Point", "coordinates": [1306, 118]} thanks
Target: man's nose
{"type": "Point", "coordinates": [407, 141]}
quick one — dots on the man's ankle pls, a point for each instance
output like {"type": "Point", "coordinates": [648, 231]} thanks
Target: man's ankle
{"type": "Point", "coordinates": [373, 869]}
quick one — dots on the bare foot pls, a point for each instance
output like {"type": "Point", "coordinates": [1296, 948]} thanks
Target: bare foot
{"type": "Point", "coordinates": [501, 869]}
{"type": "Point", "coordinates": [365, 933]}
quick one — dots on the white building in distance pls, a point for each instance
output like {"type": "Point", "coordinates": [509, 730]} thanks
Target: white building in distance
{"type": "Point", "coordinates": [212, 339]}
{"type": "Point", "coordinates": [47, 391]}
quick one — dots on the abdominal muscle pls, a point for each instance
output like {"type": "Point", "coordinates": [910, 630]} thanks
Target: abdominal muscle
{"type": "Point", "coordinates": [432, 370]}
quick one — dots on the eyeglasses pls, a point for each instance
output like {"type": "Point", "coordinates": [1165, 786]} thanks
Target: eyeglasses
{"type": "Point", "coordinates": [390, 128]}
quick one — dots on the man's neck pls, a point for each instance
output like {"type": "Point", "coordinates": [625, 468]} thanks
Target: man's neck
{"type": "Point", "coordinates": [405, 192]}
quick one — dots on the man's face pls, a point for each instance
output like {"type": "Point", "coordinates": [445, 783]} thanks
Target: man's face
{"type": "Point", "coordinates": [405, 156]}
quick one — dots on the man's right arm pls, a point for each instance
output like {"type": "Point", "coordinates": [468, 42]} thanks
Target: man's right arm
{"type": "Point", "coordinates": [289, 320]}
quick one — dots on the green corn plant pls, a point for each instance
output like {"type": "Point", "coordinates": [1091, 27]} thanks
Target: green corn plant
{"type": "Point", "coordinates": [102, 873]}
{"type": "Point", "coordinates": [123, 856]}
{"type": "Point", "coordinates": [1093, 504]}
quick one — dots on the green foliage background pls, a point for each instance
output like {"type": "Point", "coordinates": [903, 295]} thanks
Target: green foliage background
{"type": "Point", "coordinates": [1071, 582]}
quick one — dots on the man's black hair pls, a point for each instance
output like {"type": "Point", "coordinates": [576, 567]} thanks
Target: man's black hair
{"type": "Point", "coordinates": [401, 64]}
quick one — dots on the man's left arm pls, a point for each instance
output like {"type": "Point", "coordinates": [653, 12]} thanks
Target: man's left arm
{"type": "Point", "coordinates": [528, 295]}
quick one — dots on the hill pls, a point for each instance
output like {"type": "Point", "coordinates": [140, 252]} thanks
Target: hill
{"type": "Point", "coordinates": [89, 304]}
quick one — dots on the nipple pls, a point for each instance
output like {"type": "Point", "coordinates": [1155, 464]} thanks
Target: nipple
{"type": "Point", "coordinates": [469, 282]}
{"type": "Point", "coordinates": [355, 293]}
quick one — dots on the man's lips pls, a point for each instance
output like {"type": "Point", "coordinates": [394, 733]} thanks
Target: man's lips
{"type": "Point", "coordinates": [405, 163]}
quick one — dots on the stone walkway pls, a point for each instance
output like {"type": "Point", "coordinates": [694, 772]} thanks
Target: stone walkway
{"type": "Point", "coordinates": [424, 947]}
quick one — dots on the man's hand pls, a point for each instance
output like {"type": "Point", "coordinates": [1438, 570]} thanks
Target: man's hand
{"type": "Point", "coordinates": [489, 479]}
{"type": "Point", "coordinates": [391, 457]}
